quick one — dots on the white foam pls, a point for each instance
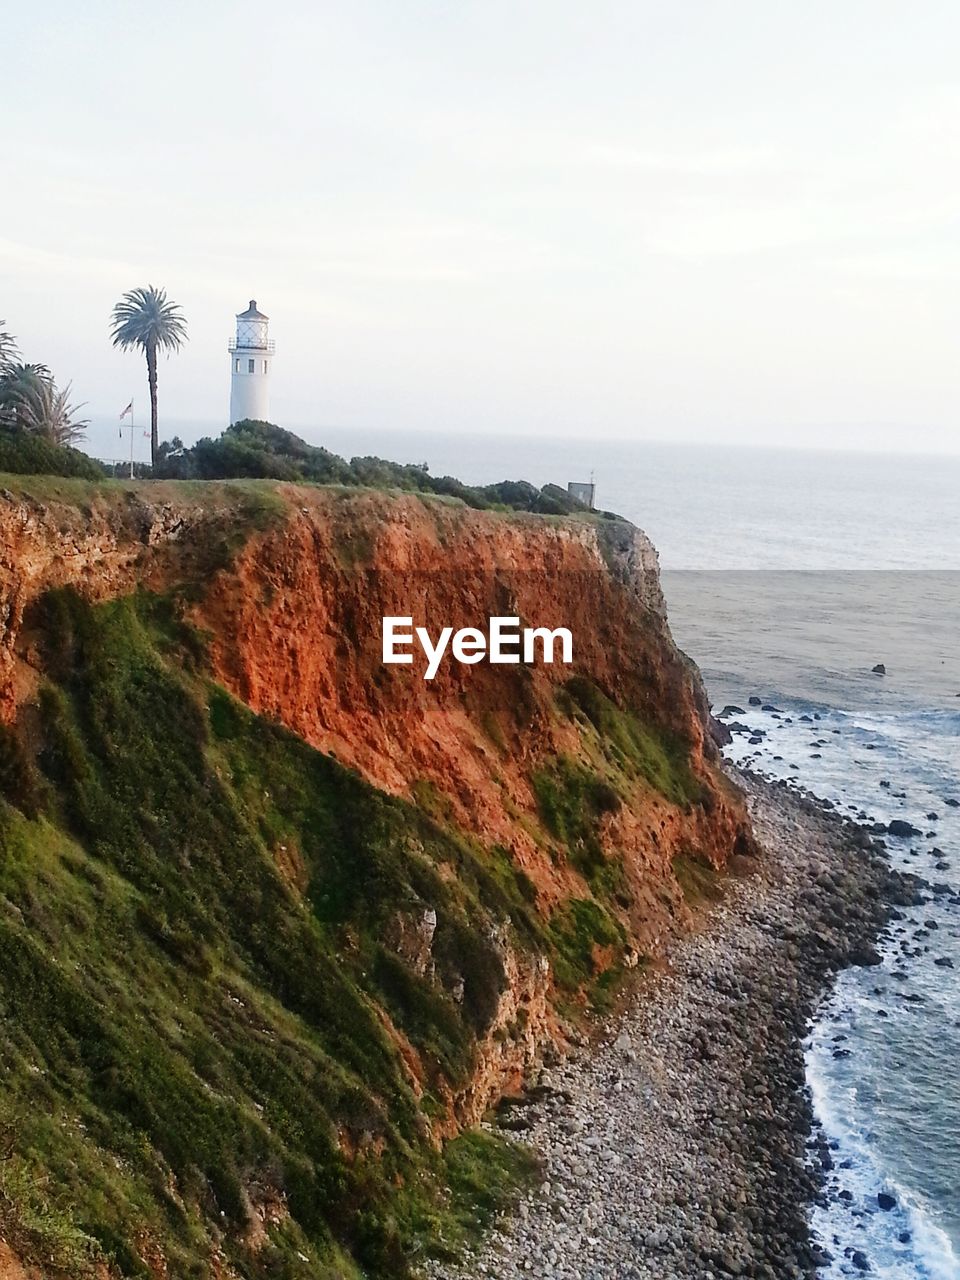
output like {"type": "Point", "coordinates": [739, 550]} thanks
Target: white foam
{"type": "Point", "coordinates": [929, 1254]}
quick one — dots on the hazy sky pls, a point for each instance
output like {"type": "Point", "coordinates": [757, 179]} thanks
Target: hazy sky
{"type": "Point", "coordinates": [728, 220]}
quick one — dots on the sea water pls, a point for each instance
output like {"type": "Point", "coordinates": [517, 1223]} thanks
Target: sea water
{"type": "Point", "coordinates": [882, 1058]}
{"type": "Point", "coordinates": [789, 576]}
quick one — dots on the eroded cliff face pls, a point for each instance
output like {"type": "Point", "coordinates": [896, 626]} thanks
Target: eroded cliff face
{"type": "Point", "coordinates": [594, 786]}
{"type": "Point", "coordinates": [293, 610]}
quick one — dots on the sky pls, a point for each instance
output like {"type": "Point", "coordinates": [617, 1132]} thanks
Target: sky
{"type": "Point", "coordinates": [731, 221]}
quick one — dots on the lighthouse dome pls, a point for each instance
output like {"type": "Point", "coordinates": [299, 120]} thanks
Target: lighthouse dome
{"type": "Point", "coordinates": [252, 328]}
{"type": "Point", "coordinates": [252, 313]}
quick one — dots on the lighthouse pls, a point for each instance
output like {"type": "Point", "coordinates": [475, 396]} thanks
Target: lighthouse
{"type": "Point", "coordinates": [251, 355]}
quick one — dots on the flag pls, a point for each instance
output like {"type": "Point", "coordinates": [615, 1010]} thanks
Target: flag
{"type": "Point", "coordinates": [128, 409]}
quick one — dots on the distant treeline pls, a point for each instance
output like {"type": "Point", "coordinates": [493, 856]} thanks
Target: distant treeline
{"type": "Point", "coordinates": [260, 450]}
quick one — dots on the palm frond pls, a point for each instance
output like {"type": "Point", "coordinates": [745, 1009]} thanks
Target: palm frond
{"type": "Point", "coordinates": [9, 351]}
{"type": "Point", "coordinates": [18, 383]}
{"type": "Point", "coordinates": [146, 318]}
{"type": "Point", "coordinates": [45, 410]}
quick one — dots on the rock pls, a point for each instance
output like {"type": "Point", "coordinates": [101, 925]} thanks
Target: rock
{"type": "Point", "coordinates": [754, 701]}
{"type": "Point", "coordinates": [905, 830]}
{"type": "Point", "coordinates": [886, 1201]}
{"type": "Point", "coordinates": [879, 669]}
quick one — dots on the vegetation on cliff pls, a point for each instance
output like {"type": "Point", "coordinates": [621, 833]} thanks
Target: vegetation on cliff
{"type": "Point", "coordinates": [260, 450]}
{"type": "Point", "coordinates": [28, 454]}
{"type": "Point", "coordinates": [37, 443]}
{"type": "Point", "coordinates": [209, 967]}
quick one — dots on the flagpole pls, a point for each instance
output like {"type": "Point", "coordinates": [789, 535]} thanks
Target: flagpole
{"type": "Point", "coordinates": [132, 416]}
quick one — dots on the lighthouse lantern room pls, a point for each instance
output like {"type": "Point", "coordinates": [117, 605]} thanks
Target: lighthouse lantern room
{"type": "Point", "coordinates": [251, 355]}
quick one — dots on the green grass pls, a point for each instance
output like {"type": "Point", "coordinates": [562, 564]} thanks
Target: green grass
{"type": "Point", "coordinates": [572, 801]}
{"type": "Point", "coordinates": [576, 928]}
{"type": "Point", "coordinates": [36, 1225]}
{"type": "Point", "coordinates": [180, 1026]}
{"type": "Point", "coordinates": [483, 1171]}
{"type": "Point", "coordinates": [637, 749]}
{"type": "Point", "coordinates": [72, 491]}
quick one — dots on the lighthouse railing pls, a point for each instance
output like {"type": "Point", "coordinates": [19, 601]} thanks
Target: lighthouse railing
{"type": "Point", "coordinates": [268, 346]}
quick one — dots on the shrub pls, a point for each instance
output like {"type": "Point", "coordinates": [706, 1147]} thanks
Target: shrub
{"type": "Point", "coordinates": [22, 453]}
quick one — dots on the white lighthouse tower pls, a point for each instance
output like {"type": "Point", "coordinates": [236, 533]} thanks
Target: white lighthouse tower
{"type": "Point", "coordinates": [251, 355]}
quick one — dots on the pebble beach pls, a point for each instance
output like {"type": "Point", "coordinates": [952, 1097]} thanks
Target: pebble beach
{"type": "Point", "coordinates": [682, 1145]}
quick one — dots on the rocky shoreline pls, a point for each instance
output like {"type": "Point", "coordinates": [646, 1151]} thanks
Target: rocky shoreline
{"type": "Point", "coordinates": [682, 1146]}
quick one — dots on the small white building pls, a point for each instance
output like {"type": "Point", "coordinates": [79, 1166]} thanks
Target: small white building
{"type": "Point", "coordinates": [585, 493]}
{"type": "Point", "coordinates": [251, 358]}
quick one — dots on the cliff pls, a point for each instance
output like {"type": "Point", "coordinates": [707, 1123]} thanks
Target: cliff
{"type": "Point", "coordinates": [279, 921]}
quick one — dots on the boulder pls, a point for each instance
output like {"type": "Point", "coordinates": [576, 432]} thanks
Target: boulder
{"type": "Point", "coordinates": [905, 830]}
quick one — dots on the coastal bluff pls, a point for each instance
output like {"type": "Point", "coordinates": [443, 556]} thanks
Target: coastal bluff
{"type": "Point", "coordinates": [294, 920]}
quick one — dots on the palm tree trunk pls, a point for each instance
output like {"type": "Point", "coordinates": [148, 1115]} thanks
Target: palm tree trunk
{"type": "Point", "coordinates": [152, 379]}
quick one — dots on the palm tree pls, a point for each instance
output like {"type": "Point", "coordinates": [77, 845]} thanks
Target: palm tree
{"type": "Point", "coordinates": [45, 410]}
{"type": "Point", "coordinates": [145, 318]}
{"type": "Point", "coordinates": [8, 348]}
{"type": "Point", "coordinates": [18, 383]}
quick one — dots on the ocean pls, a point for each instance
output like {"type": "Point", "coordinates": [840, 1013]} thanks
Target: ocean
{"type": "Point", "coordinates": [881, 1059]}
{"type": "Point", "coordinates": [788, 577]}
